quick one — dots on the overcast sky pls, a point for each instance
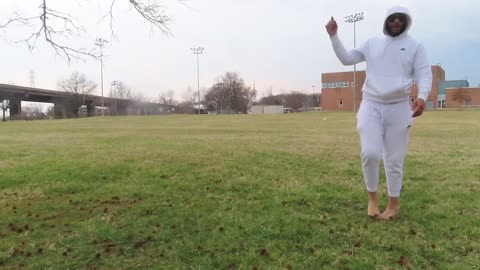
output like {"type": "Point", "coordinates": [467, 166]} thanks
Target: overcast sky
{"type": "Point", "coordinates": [278, 44]}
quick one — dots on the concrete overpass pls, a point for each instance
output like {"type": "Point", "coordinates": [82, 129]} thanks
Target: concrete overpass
{"type": "Point", "coordinates": [67, 105]}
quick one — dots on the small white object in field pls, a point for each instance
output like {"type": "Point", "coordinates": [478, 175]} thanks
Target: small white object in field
{"type": "Point", "coordinates": [325, 118]}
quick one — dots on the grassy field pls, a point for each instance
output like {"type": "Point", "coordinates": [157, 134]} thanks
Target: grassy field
{"type": "Point", "coordinates": [232, 192]}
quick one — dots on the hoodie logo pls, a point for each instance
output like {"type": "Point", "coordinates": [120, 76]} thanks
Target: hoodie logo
{"type": "Point", "coordinates": [402, 49]}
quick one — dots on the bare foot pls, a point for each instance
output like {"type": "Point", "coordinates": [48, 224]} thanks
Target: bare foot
{"type": "Point", "coordinates": [373, 210]}
{"type": "Point", "coordinates": [389, 213]}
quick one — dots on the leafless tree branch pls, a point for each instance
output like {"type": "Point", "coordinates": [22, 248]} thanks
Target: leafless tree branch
{"type": "Point", "coordinates": [47, 29]}
{"type": "Point", "coordinates": [110, 15]}
{"type": "Point", "coordinates": [53, 25]}
{"type": "Point", "coordinates": [17, 19]}
{"type": "Point", "coordinates": [153, 13]}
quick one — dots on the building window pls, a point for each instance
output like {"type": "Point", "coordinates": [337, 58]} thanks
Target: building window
{"type": "Point", "coordinates": [340, 103]}
{"type": "Point", "coordinates": [335, 85]}
{"type": "Point", "coordinates": [353, 84]}
{"type": "Point", "coordinates": [468, 102]}
{"type": "Point", "coordinates": [441, 104]}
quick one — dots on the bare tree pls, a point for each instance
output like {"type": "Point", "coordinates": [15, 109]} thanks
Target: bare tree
{"type": "Point", "coordinates": [189, 98]}
{"type": "Point", "coordinates": [168, 98]}
{"type": "Point", "coordinates": [139, 105]}
{"type": "Point", "coordinates": [4, 106]}
{"type": "Point", "coordinates": [50, 113]}
{"type": "Point", "coordinates": [246, 99]}
{"type": "Point", "coordinates": [54, 26]}
{"type": "Point", "coordinates": [295, 100]}
{"type": "Point", "coordinates": [33, 112]}
{"type": "Point", "coordinates": [461, 96]}
{"type": "Point", "coordinates": [270, 99]}
{"type": "Point", "coordinates": [217, 98]}
{"type": "Point", "coordinates": [230, 94]}
{"type": "Point", "coordinates": [78, 86]}
{"type": "Point", "coordinates": [120, 90]}
{"type": "Point", "coordinates": [77, 83]}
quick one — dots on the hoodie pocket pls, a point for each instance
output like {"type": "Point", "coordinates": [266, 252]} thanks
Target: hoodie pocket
{"type": "Point", "coordinates": [388, 87]}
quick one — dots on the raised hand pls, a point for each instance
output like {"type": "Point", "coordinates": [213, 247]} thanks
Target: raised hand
{"type": "Point", "coordinates": [331, 27]}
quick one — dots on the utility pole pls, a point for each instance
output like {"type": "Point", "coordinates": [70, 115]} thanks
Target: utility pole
{"type": "Point", "coordinates": [32, 78]}
{"type": "Point", "coordinates": [100, 43]}
{"type": "Point", "coordinates": [198, 51]}
{"type": "Point", "coordinates": [113, 89]}
{"type": "Point", "coordinates": [353, 19]}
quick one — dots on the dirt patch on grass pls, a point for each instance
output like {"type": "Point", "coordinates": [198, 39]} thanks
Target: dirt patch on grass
{"type": "Point", "coordinates": [5, 164]}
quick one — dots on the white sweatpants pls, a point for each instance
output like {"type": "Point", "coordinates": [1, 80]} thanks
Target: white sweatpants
{"type": "Point", "coordinates": [384, 129]}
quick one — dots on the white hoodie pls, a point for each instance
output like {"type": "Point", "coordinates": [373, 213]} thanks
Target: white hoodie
{"type": "Point", "coordinates": [393, 63]}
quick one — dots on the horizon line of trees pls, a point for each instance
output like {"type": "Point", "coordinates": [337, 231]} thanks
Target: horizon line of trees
{"type": "Point", "coordinates": [228, 95]}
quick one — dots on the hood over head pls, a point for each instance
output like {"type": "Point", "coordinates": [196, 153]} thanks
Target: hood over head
{"type": "Point", "coordinates": [397, 9]}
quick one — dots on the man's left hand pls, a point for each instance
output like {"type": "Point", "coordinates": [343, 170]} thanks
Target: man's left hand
{"type": "Point", "coordinates": [417, 107]}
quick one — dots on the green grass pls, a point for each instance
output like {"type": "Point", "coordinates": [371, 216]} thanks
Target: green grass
{"type": "Point", "coordinates": [232, 192]}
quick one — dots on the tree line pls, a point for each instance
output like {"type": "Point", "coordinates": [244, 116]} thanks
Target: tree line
{"type": "Point", "coordinates": [228, 95]}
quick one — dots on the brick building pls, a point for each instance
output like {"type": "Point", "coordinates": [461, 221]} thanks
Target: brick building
{"type": "Point", "coordinates": [442, 90]}
{"type": "Point", "coordinates": [462, 97]}
{"type": "Point", "coordinates": [337, 91]}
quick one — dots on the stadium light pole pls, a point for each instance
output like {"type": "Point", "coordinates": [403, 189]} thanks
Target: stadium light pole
{"type": "Point", "coordinates": [354, 18]}
{"type": "Point", "coordinates": [198, 51]}
{"type": "Point", "coordinates": [100, 42]}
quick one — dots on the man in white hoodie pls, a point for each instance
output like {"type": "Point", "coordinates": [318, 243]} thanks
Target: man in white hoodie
{"type": "Point", "coordinates": [394, 63]}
